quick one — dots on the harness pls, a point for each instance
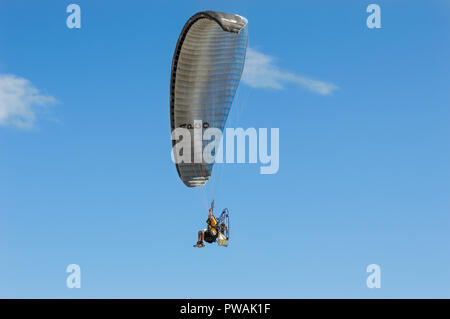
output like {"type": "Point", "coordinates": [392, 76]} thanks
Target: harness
{"type": "Point", "coordinates": [220, 227]}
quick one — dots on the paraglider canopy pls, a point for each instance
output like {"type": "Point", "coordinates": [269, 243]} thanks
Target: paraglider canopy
{"type": "Point", "coordinates": [206, 69]}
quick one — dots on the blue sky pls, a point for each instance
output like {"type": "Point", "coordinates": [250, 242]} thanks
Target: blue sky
{"type": "Point", "coordinates": [364, 169]}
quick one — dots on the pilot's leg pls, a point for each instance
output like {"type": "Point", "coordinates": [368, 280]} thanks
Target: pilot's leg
{"type": "Point", "coordinates": [200, 239]}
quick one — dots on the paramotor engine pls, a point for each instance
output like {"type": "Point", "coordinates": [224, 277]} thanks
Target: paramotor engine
{"type": "Point", "coordinates": [224, 227]}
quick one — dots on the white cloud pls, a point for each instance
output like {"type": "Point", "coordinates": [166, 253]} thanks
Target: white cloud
{"type": "Point", "coordinates": [20, 101]}
{"type": "Point", "coordinates": [261, 72]}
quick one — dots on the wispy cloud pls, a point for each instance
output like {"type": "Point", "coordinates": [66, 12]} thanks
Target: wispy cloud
{"type": "Point", "coordinates": [20, 101]}
{"type": "Point", "coordinates": [261, 72]}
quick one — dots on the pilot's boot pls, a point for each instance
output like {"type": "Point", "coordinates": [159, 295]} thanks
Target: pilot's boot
{"type": "Point", "coordinates": [199, 244]}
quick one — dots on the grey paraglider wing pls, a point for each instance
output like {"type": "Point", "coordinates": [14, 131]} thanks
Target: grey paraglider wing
{"type": "Point", "coordinates": [206, 69]}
